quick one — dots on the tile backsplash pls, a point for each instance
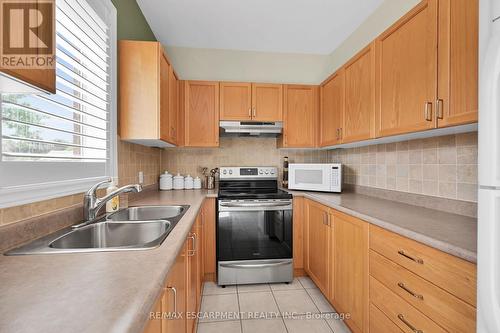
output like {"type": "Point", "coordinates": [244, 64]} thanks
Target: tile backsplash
{"type": "Point", "coordinates": [443, 166]}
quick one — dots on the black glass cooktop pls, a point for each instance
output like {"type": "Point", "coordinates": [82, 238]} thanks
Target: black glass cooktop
{"type": "Point", "coordinates": [259, 189]}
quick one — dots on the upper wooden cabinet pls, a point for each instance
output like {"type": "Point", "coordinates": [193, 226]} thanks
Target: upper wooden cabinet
{"type": "Point", "coordinates": [300, 116]}
{"type": "Point", "coordinates": [145, 93]}
{"type": "Point", "coordinates": [267, 102]}
{"type": "Point", "coordinates": [317, 244]}
{"type": "Point", "coordinates": [458, 62]}
{"type": "Point", "coordinates": [406, 72]}
{"type": "Point", "coordinates": [201, 114]}
{"type": "Point", "coordinates": [359, 110]}
{"type": "Point", "coordinates": [235, 101]}
{"type": "Point", "coordinates": [350, 285]}
{"type": "Point", "coordinates": [251, 101]}
{"type": "Point", "coordinates": [332, 94]}
{"type": "Point", "coordinates": [173, 102]}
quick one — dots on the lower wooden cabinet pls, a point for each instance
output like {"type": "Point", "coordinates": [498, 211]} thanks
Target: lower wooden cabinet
{"type": "Point", "coordinates": [349, 282]}
{"type": "Point", "coordinates": [174, 295]}
{"type": "Point", "coordinates": [194, 280]}
{"type": "Point", "coordinates": [209, 252]}
{"type": "Point", "coordinates": [317, 239]}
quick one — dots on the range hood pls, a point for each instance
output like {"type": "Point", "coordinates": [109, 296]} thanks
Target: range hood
{"type": "Point", "coordinates": [248, 128]}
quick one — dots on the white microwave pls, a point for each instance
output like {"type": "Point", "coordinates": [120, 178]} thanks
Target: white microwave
{"type": "Point", "coordinates": [325, 177]}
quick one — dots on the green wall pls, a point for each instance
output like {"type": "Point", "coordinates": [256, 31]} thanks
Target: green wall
{"type": "Point", "coordinates": [131, 21]}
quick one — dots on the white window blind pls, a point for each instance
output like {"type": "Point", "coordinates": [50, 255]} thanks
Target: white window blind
{"type": "Point", "coordinates": [70, 135]}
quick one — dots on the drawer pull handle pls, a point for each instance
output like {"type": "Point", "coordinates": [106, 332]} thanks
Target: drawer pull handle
{"type": "Point", "coordinates": [405, 288]}
{"type": "Point", "coordinates": [417, 260]}
{"type": "Point", "coordinates": [410, 326]}
{"type": "Point", "coordinates": [175, 297]}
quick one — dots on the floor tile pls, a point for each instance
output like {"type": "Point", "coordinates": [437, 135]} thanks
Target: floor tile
{"type": "Point", "coordinates": [258, 303]}
{"type": "Point", "coordinates": [295, 301]}
{"type": "Point", "coordinates": [263, 326]}
{"type": "Point", "coordinates": [211, 288]}
{"type": "Point", "coordinates": [306, 282]}
{"type": "Point", "coordinates": [245, 288]}
{"type": "Point", "coordinates": [220, 327]}
{"type": "Point", "coordinates": [338, 326]}
{"type": "Point", "coordinates": [227, 305]}
{"type": "Point", "coordinates": [295, 284]}
{"type": "Point", "coordinates": [320, 300]}
{"type": "Point", "coordinates": [302, 325]}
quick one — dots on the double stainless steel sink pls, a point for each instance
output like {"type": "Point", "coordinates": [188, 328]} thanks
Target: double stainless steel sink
{"type": "Point", "coordinates": [134, 228]}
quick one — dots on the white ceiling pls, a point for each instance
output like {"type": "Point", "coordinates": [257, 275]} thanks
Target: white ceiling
{"type": "Point", "coordinates": [288, 26]}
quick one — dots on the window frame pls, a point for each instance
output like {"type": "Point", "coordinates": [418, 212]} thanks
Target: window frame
{"type": "Point", "coordinates": [43, 190]}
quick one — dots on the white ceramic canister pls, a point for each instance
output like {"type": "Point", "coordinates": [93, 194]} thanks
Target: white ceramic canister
{"type": "Point", "coordinates": [197, 183]}
{"type": "Point", "coordinates": [188, 182]}
{"type": "Point", "coordinates": [166, 181]}
{"type": "Point", "coordinates": [178, 182]}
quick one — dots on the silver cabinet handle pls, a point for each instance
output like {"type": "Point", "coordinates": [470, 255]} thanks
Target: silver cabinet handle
{"type": "Point", "coordinates": [337, 131]}
{"type": "Point", "coordinates": [340, 133]}
{"type": "Point", "coordinates": [254, 112]}
{"type": "Point", "coordinates": [415, 259]}
{"type": "Point", "coordinates": [326, 220]}
{"type": "Point", "coordinates": [428, 111]}
{"type": "Point", "coordinates": [249, 112]}
{"type": "Point", "coordinates": [409, 291]}
{"type": "Point", "coordinates": [410, 326]}
{"type": "Point", "coordinates": [193, 251]}
{"type": "Point", "coordinates": [175, 297]}
{"type": "Point", "coordinates": [439, 108]}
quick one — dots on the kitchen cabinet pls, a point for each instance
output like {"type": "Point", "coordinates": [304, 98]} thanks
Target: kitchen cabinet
{"type": "Point", "coordinates": [300, 116]}
{"type": "Point", "coordinates": [359, 110]}
{"type": "Point", "coordinates": [194, 281]}
{"type": "Point", "coordinates": [349, 285]}
{"type": "Point", "coordinates": [235, 101]}
{"type": "Point", "coordinates": [201, 113]}
{"type": "Point", "coordinates": [457, 101]}
{"type": "Point", "coordinates": [240, 101]}
{"type": "Point", "coordinates": [144, 93]}
{"type": "Point", "coordinates": [174, 296]}
{"type": "Point", "coordinates": [406, 60]}
{"type": "Point", "coordinates": [317, 251]}
{"type": "Point", "coordinates": [209, 252]}
{"type": "Point", "coordinates": [298, 235]}
{"type": "Point", "coordinates": [267, 102]}
{"type": "Point", "coordinates": [173, 108]}
{"type": "Point", "coordinates": [332, 94]}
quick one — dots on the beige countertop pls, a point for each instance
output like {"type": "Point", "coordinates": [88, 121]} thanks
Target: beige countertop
{"type": "Point", "coordinates": [114, 291]}
{"type": "Point", "coordinates": [450, 233]}
{"type": "Point", "coordinates": [92, 292]}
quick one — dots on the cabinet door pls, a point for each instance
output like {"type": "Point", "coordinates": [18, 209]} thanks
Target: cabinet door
{"type": "Point", "coordinates": [406, 72]}
{"type": "Point", "coordinates": [174, 297]}
{"type": "Point", "coordinates": [317, 242]}
{"type": "Point", "coordinates": [300, 116]}
{"type": "Point", "coordinates": [332, 109]}
{"type": "Point", "coordinates": [201, 114]}
{"type": "Point", "coordinates": [209, 239]}
{"type": "Point", "coordinates": [267, 102]}
{"type": "Point", "coordinates": [173, 102]}
{"type": "Point", "coordinates": [350, 286]}
{"type": "Point", "coordinates": [192, 279]}
{"type": "Point", "coordinates": [164, 94]}
{"type": "Point", "coordinates": [359, 112]}
{"type": "Point", "coordinates": [458, 62]}
{"type": "Point", "coordinates": [235, 101]}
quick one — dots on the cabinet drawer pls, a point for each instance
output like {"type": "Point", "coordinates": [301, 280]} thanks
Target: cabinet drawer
{"type": "Point", "coordinates": [445, 309]}
{"type": "Point", "coordinates": [453, 274]}
{"type": "Point", "coordinates": [379, 323]}
{"type": "Point", "coordinates": [401, 313]}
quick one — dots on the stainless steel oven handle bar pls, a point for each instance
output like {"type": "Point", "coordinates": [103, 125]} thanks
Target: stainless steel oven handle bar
{"type": "Point", "coordinates": [254, 206]}
{"type": "Point", "coordinates": [274, 264]}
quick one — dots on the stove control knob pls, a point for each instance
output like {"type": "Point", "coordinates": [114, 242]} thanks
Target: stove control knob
{"type": "Point", "coordinates": [230, 172]}
{"type": "Point", "coordinates": [272, 172]}
{"type": "Point", "coordinates": [267, 172]}
{"type": "Point", "coordinates": [224, 172]}
{"type": "Point", "coordinates": [260, 172]}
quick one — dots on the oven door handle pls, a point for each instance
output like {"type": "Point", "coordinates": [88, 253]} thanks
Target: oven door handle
{"type": "Point", "coordinates": [274, 264]}
{"type": "Point", "coordinates": [260, 204]}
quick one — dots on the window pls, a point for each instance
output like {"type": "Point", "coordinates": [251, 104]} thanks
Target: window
{"type": "Point", "coordinates": [60, 144]}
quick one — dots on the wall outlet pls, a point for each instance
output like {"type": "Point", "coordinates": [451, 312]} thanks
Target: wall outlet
{"type": "Point", "coordinates": [141, 177]}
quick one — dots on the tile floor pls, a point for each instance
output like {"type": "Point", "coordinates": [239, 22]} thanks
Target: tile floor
{"type": "Point", "coordinates": [267, 308]}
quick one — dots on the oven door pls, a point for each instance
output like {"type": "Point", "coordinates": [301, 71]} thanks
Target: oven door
{"type": "Point", "coordinates": [254, 241]}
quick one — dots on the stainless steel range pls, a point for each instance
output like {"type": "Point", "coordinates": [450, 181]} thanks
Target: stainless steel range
{"type": "Point", "coordinates": [254, 227]}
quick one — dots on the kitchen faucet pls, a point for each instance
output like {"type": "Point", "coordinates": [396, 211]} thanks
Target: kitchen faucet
{"type": "Point", "coordinates": [92, 204]}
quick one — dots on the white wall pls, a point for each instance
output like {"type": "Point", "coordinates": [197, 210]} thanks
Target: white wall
{"type": "Point", "coordinates": [232, 65]}
{"type": "Point", "coordinates": [250, 66]}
